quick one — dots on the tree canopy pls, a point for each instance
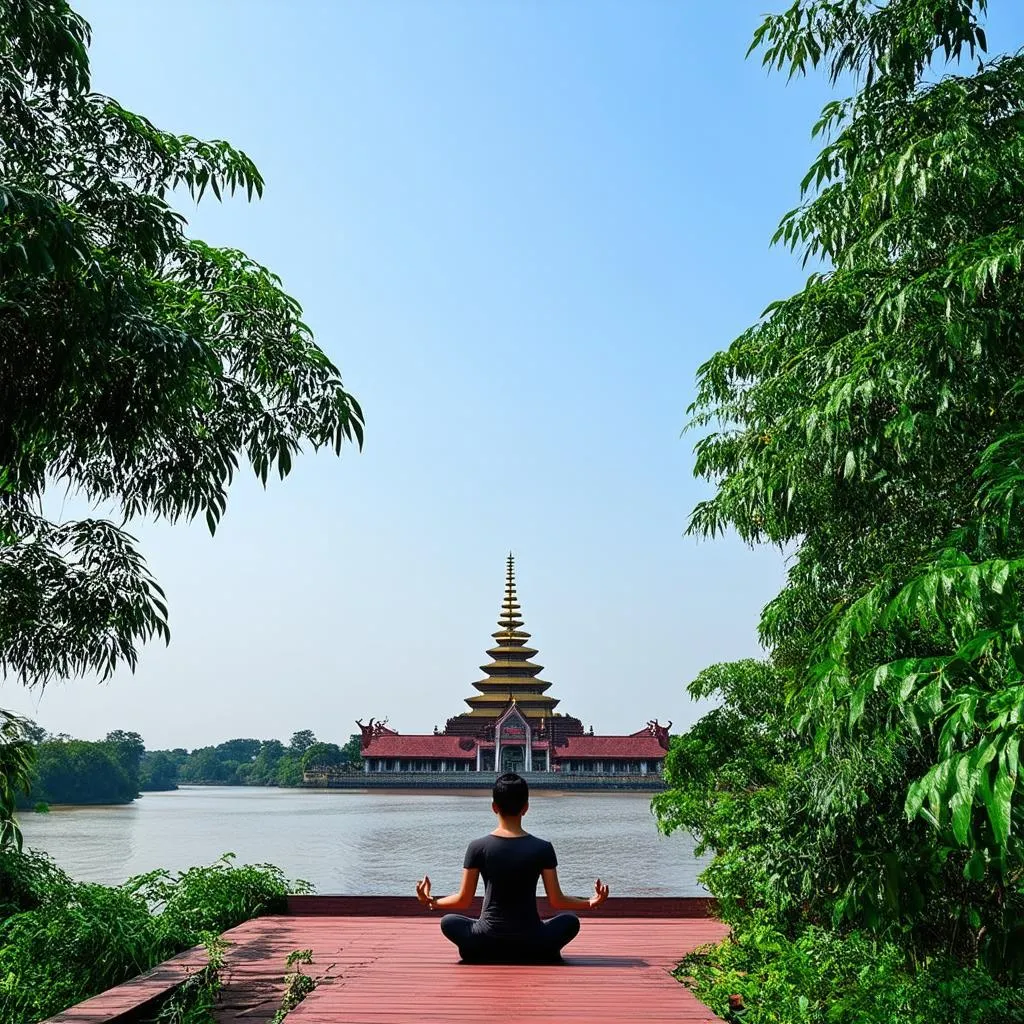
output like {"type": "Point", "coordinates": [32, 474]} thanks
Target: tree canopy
{"type": "Point", "coordinates": [139, 367]}
{"type": "Point", "coordinates": [871, 426]}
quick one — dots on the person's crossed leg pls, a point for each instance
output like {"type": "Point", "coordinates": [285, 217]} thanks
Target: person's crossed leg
{"type": "Point", "coordinates": [545, 945]}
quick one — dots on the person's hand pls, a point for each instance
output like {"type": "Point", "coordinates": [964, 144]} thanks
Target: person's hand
{"type": "Point", "coordinates": [600, 894]}
{"type": "Point", "coordinates": [423, 890]}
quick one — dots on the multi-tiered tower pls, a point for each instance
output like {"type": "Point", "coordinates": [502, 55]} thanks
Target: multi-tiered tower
{"type": "Point", "coordinates": [511, 676]}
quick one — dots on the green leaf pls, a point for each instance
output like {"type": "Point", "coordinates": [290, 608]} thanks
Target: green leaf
{"type": "Point", "coordinates": [962, 801]}
{"type": "Point", "coordinates": [1000, 803]}
{"type": "Point", "coordinates": [975, 867]}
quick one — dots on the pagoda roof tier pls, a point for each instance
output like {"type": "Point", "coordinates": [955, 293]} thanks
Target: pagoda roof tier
{"type": "Point", "coordinates": [511, 635]}
{"type": "Point", "coordinates": [512, 649]}
{"type": "Point", "coordinates": [515, 651]}
{"type": "Point", "coordinates": [499, 699]}
{"type": "Point", "coordinates": [517, 685]}
{"type": "Point", "coordinates": [492, 668]}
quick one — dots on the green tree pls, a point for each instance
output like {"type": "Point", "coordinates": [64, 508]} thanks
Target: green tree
{"type": "Point", "coordinates": [205, 766]}
{"type": "Point", "coordinates": [159, 771]}
{"type": "Point", "coordinates": [289, 771]}
{"type": "Point", "coordinates": [871, 425]}
{"type": "Point", "coordinates": [301, 741]}
{"type": "Point", "coordinates": [128, 748]}
{"type": "Point", "coordinates": [80, 772]}
{"type": "Point", "coordinates": [264, 768]}
{"type": "Point", "coordinates": [139, 367]}
{"type": "Point", "coordinates": [323, 755]}
{"type": "Point", "coordinates": [725, 778]}
{"type": "Point", "coordinates": [240, 750]}
{"type": "Point", "coordinates": [33, 732]}
{"type": "Point", "coordinates": [353, 751]}
{"type": "Point", "coordinates": [17, 769]}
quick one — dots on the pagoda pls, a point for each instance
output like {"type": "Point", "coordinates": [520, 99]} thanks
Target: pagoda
{"type": "Point", "coordinates": [511, 675]}
{"type": "Point", "coordinates": [512, 725]}
{"type": "Point", "coordinates": [512, 678]}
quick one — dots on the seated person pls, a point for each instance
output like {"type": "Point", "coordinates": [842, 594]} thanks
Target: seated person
{"type": "Point", "coordinates": [511, 861]}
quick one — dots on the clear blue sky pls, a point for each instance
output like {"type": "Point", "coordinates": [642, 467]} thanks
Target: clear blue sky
{"type": "Point", "coordinates": [518, 228]}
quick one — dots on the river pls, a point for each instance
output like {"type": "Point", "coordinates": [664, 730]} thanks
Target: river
{"type": "Point", "coordinates": [363, 842]}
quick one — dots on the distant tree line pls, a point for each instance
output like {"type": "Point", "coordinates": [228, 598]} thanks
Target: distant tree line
{"type": "Point", "coordinates": [70, 771]}
{"type": "Point", "coordinates": [116, 769]}
{"type": "Point", "coordinates": [247, 762]}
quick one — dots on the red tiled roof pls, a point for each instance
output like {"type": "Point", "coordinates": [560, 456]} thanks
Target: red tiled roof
{"type": "Point", "coordinates": [421, 746]}
{"type": "Point", "coordinates": [641, 748]}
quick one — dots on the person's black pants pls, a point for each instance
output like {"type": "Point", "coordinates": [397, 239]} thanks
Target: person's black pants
{"type": "Point", "coordinates": [542, 946]}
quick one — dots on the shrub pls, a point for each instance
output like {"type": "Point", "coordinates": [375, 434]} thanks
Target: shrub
{"type": "Point", "coordinates": [26, 880]}
{"type": "Point", "coordinates": [62, 941]}
{"type": "Point", "coordinates": [821, 977]}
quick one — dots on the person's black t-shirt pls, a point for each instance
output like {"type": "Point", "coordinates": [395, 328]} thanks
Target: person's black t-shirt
{"type": "Point", "coordinates": [510, 868]}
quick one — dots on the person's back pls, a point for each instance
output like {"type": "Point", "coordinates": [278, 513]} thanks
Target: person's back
{"type": "Point", "coordinates": [510, 866]}
{"type": "Point", "coordinates": [511, 861]}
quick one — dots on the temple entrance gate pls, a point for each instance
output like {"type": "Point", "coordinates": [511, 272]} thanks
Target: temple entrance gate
{"type": "Point", "coordinates": [513, 758]}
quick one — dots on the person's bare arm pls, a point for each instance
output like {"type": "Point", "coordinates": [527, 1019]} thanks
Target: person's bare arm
{"type": "Point", "coordinates": [558, 899]}
{"type": "Point", "coordinates": [461, 900]}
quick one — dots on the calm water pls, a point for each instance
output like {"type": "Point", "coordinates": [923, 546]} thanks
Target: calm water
{"type": "Point", "coordinates": [363, 842]}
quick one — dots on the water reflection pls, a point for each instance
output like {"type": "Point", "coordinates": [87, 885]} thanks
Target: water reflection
{"type": "Point", "coordinates": [363, 842]}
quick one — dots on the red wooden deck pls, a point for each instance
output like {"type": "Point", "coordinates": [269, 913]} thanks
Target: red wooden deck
{"type": "Point", "coordinates": [381, 969]}
{"type": "Point", "coordinates": [376, 970]}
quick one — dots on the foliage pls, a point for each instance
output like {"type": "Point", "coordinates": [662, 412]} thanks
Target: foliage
{"type": "Point", "coordinates": [323, 755]}
{"type": "Point", "coordinates": [265, 766]}
{"type": "Point", "coordinates": [248, 762]}
{"type": "Point", "coordinates": [821, 977]}
{"type": "Point", "coordinates": [81, 772]}
{"type": "Point", "coordinates": [194, 1001]}
{"type": "Point", "coordinates": [297, 984]}
{"type": "Point", "coordinates": [209, 766]}
{"type": "Point", "coordinates": [786, 838]}
{"type": "Point", "coordinates": [159, 770]}
{"type": "Point", "coordinates": [63, 941]}
{"type": "Point", "coordinates": [17, 761]}
{"type": "Point", "coordinates": [27, 879]}
{"type": "Point", "coordinates": [724, 778]}
{"type": "Point", "coordinates": [353, 751]}
{"type": "Point", "coordinates": [128, 749]}
{"type": "Point", "coordinates": [289, 771]}
{"type": "Point", "coordinates": [138, 367]}
{"type": "Point", "coordinates": [870, 425]}
{"type": "Point", "coordinates": [301, 741]}
{"type": "Point", "coordinates": [217, 897]}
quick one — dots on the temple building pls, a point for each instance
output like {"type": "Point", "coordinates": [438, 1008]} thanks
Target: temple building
{"type": "Point", "coordinates": [512, 724]}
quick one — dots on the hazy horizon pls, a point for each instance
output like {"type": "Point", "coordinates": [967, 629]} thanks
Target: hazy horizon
{"type": "Point", "coordinates": [518, 229]}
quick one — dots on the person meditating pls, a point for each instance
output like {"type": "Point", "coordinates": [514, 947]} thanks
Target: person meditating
{"type": "Point", "coordinates": [511, 860]}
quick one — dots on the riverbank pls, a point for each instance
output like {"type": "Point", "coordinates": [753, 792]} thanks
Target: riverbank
{"type": "Point", "coordinates": [539, 781]}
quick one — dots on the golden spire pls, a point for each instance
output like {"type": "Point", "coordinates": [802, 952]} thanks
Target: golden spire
{"type": "Point", "coordinates": [511, 675]}
{"type": "Point", "coordinates": [509, 619]}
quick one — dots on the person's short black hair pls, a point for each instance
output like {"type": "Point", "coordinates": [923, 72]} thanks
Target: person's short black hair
{"type": "Point", "coordinates": [511, 793]}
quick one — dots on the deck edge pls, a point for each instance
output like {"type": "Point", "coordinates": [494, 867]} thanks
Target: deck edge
{"type": "Point", "coordinates": [139, 996]}
{"type": "Point", "coordinates": [342, 905]}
